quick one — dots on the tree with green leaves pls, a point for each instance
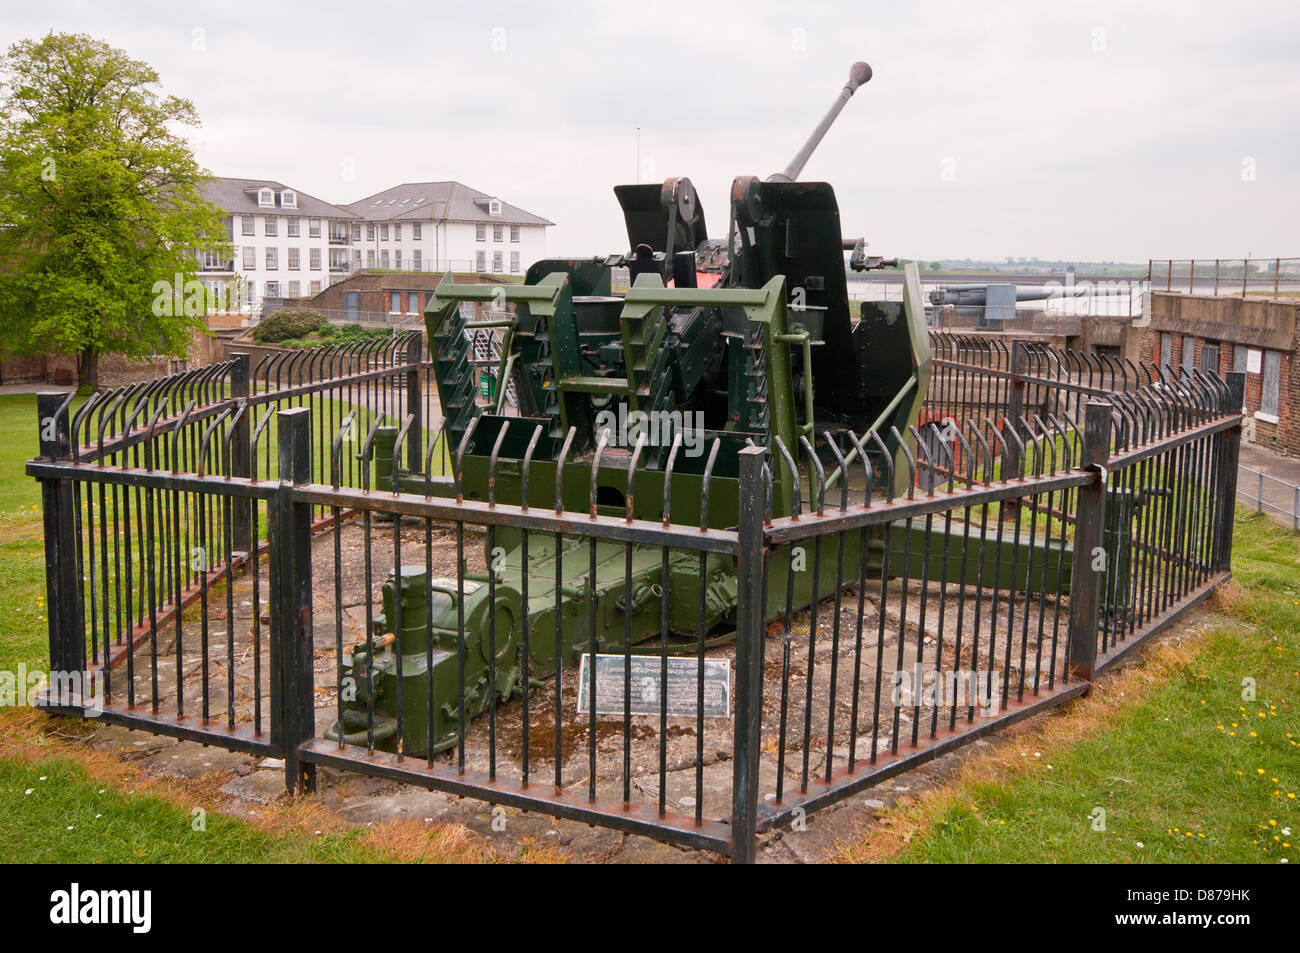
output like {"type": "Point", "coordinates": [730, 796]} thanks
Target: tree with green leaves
{"type": "Point", "coordinates": [100, 205]}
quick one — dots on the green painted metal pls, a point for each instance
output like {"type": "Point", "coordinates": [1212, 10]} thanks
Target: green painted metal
{"type": "Point", "coordinates": [767, 355]}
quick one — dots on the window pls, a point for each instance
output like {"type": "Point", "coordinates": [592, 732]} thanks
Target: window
{"type": "Point", "coordinates": [356, 231]}
{"type": "Point", "coordinates": [494, 207]}
{"type": "Point", "coordinates": [294, 258]}
{"type": "Point", "coordinates": [413, 302]}
{"type": "Point", "coordinates": [370, 233]}
{"type": "Point", "coordinates": [383, 233]}
{"type": "Point", "coordinates": [288, 199]}
{"type": "Point", "coordinates": [1272, 378]}
{"type": "Point", "coordinates": [370, 258]}
{"type": "Point", "coordinates": [295, 289]}
{"type": "Point", "coordinates": [315, 288]}
{"type": "Point", "coordinates": [356, 259]}
{"type": "Point", "coordinates": [395, 302]}
{"type": "Point", "coordinates": [397, 259]}
{"type": "Point", "coordinates": [272, 260]}
{"type": "Point", "coordinates": [291, 227]}
{"type": "Point", "coordinates": [272, 227]}
{"type": "Point", "coordinates": [514, 233]}
{"type": "Point", "coordinates": [338, 259]}
{"type": "Point", "coordinates": [480, 232]}
{"type": "Point", "coordinates": [397, 232]}
{"type": "Point", "coordinates": [273, 289]}
{"type": "Point", "coordinates": [313, 259]}
{"type": "Point", "coordinates": [1166, 349]}
{"type": "Point", "coordinates": [1189, 351]}
{"type": "Point", "coordinates": [415, 263]}
{"type": "Point", "coordinates": [497, 263]}
{"type": "Point", "coordinates": [313, 228]}
{"type": "Point", "coordinates": [514, 263]}
{"type": "Point", "coordinates": [480, 261]}
{"type": "Point", "coordinates": [250, 258]}
{"type": "Point", "coordinates": [1209, 358]}
{"type": "Point", "coordinates": [248, 224]}
{"type": "Point", "coordinates": [383, 258]}
{"type": "Point", "coordinates": [338, 233]}
{"type": "Point", "coordinates": [266, 198]}
{"type": "Point", "coordinates": [250, 292]}
{"type": "Point", "coordinates": [498, 233]}
{"type": "Point", "coordinates": [1240, 358]}
{"type": "Point", "coordinates": [416, 231]}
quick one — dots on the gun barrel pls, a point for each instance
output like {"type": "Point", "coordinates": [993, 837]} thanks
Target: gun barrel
{"type": "Point", "coordinates": [859, 74]}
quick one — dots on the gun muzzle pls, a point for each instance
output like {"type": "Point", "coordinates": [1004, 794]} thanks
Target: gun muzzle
{"type": "Point", "coordinates": [859, 74]}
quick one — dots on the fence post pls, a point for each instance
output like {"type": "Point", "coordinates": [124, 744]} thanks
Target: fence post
{"type": "Point", "coordinates": [1090, 557]}
{"type": "Point", "coordinates": [293, 707]}
{"type": "Point", "coordinates": [414, 403]}
{"type": "Point", "coordinates": [1229, 460]}
{"type": "Point", "coordinates": [750, 634]}
{"type": "Point", "coordinates": [65, 622]}
{"type": "Point", "coordinates": [241, 524]}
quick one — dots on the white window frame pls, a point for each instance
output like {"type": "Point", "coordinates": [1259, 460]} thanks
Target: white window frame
{"type": "Point", "coordinates": [248, 224]}
{"type": "Point", "coordinates": [313, 259]}
{"type": "Point", "coordinates": [266, 198]}
{"type": "Point", "coordinates": [514, 233]}
{"type": "Point", "coordinates": [288, 199]}
{"type": "Point", "coordinates": [249, 258]}
{"type": "Point", "coordinates": [295, 259]}
{"type": "Point", "coordinates": [292, 226]}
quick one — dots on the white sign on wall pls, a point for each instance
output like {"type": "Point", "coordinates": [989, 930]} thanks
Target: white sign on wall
{"type": "Point", "coordinates": [1253, 359]}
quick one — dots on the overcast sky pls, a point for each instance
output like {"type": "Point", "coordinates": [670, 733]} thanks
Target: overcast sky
{"type": "Point", "coordinates": [1079, 131]}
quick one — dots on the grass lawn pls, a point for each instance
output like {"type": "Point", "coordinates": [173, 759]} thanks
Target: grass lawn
{"type": "Point", "coordinates": [1186, 763]}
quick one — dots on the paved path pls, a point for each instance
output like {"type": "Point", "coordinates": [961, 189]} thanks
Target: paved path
{"type": "Point", "coordinates": [1281, 477]}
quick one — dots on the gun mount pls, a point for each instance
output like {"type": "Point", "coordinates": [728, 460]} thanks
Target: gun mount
{"type": "Point", "coordinates": [673, 377]}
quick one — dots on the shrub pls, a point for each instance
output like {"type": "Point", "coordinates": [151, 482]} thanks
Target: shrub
{"type": "Point", "coordinates": [287, 325]}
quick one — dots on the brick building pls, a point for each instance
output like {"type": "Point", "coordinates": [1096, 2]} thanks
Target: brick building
{"type": "Point", "coordinates": [1255, 335]}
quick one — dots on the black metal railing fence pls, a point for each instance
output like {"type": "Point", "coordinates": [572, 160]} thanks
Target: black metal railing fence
{"type": "Point", "coordinates": [1057, 510]}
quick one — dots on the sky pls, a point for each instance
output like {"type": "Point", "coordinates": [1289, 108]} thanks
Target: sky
{"type": "Point", "coordinates": [1082, 131]}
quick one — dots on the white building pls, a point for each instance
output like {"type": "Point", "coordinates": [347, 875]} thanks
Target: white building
{"type": "Point", "coordinates": [287, 244]}
{"type": "Point", "coordinates": [445, 226]}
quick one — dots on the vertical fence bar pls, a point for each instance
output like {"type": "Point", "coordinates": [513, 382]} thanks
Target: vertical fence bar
{"type": "Point", "coordinates": [1227, 476]}
{"type": "Point", "coordinates": [750, 633]}
{"type": "Point", "coordinates": [241, 455]}
{"type": "Point", "coordinates": [1015, 407]}
{"type": "Point", "coordinates": [414, 401]}
{"type": "Point", "coordinates": [1086, 579]}
{"type": "Point", "coordinates": [292, 686]}
{"type": "Point", "coordinates": [66, 623]}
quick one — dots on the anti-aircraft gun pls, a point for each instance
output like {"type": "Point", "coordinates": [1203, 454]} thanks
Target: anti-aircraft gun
{"type": "Point", "coordinates": [768, 355]}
